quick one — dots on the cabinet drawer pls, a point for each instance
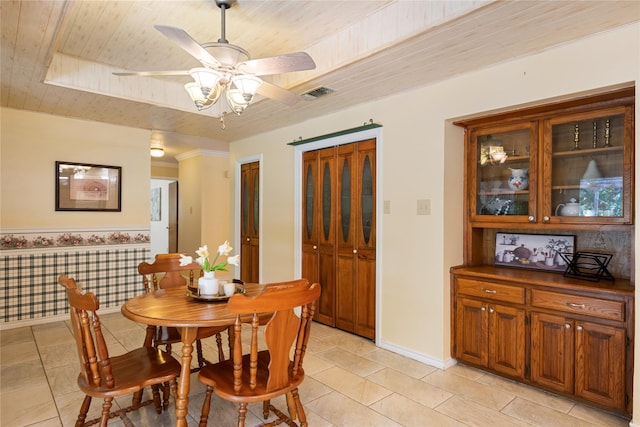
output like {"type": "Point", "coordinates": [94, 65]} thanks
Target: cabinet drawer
{"type": "Point", "coordinates": [490, 290]}
{"type": "Point", "coordinates": [596, 307]}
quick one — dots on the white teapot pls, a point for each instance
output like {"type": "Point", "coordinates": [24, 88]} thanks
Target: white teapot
{"type": "Point", "coordinates": [569, 209]}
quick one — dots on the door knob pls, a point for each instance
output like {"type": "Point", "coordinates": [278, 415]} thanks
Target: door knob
{"type": "Point", "coordinates": [355, 251]}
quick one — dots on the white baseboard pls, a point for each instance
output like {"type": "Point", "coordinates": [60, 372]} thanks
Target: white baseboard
{"type": "Point", "coordinates": [51, 319]}
{"type": "Point", "coordinates": [437, 363]}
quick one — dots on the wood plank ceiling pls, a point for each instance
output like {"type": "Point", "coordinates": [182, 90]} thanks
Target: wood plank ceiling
{"type": "Point", "coordinates": [58, 56]}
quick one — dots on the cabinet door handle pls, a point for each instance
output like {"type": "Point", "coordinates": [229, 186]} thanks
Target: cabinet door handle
{"type": "Point", "coordinates": [315, 247]}
{"type": "Point", "coordinates": [248, 239]}
{"type": "Point", "coordinates": [574, 305]}
{"type": "Point", "coordinates": [567, 326]}
{"type": "Point", "coordinates": [545, 218]}
{"type": "Point", "coordinates": [532, 218]}
{"type": "Point", "coordinates": [489, 291]}
{"type": "Point", "coordinates": [491, 310]}
{"type": "Point", "coordinates": [483, 308]}
{"type": "Point", "coordinates": [578, 328]}
{"type": "Point", "coordinates": [355, 251]}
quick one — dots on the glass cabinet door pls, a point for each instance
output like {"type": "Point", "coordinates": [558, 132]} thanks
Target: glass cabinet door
{"type": "Point", "coordinates": [504, 172]}
{"type": "Point", "coordinates": [588, 176]}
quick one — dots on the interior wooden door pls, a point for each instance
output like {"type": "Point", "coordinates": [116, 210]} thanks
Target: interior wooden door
{"type": "Point", "coordinates": [310, 217]}
{"type": "Point", "coordinates": [326, 212]}
{"type": "Point", "coordinates": [346, 244]}
{"type": "Point", "coordinates": [338, 233]}
{"type": "Point", "coordinates": [250, 222]}
{"type": "Point", "coordinates": [173, 217]}
{"type": "Point", "coordinates": [364, 202]}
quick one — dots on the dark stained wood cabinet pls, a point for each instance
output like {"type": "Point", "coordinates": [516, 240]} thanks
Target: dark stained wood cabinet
{"type": "Point", "coordinates": [563, 334]}
{"type": "Point", "coordinates": [338, 235]}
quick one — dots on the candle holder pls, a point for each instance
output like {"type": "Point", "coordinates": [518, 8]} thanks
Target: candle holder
{"type": "Point", "coordinates": [576, 137]}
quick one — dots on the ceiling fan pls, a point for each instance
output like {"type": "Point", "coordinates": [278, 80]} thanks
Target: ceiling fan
{"type": "Point", "coordinates": [228, 69]}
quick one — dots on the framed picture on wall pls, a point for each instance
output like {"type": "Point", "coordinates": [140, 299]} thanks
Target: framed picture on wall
{"type": "Point", "coordinates": [88, 187]}
{"type": "Point", "coordinates": [534, 251]}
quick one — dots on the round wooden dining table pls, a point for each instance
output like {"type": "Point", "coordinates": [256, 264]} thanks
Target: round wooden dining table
{"type": "Point", "coordinates": [173, 307]}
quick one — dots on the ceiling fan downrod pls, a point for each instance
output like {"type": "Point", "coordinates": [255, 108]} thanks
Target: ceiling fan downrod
{"type": "Point", "coordinates": [223, 5]}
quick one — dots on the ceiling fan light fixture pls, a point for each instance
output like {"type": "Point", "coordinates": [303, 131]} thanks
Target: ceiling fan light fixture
{"type": "Point", "coordinates": [206, 78]}
{"type": "Point", "coordinates": [236, 100]}
{"type": "Point", "coordinates": [195, 92]}
{"type": "Point", "coordinates": [247, 85]}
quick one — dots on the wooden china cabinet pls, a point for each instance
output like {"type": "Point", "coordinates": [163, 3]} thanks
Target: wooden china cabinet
{"type": "Point", "coordinates": [558, 169]}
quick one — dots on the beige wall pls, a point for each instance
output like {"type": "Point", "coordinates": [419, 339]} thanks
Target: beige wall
{"type": "Point", "coordinates": [30, 144]}
{"type": "Point", "coordinates": [164, 170]}
{"type": "Point", "coordinates": [421, 158]}
{"type": "Point", "coordinates": [203, 211]}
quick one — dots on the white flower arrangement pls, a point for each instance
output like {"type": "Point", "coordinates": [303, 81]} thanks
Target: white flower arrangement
{"type": "Point", "coordinates": [207, 265]}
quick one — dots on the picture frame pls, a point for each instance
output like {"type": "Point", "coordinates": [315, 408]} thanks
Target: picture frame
{"type": "Point", "coordinates": [534, 251]}
{"type": "Point", "coordinates": [88, 187]}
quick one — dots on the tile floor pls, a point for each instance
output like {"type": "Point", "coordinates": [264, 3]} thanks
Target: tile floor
{"type": "Point", "coordinates": [350, 382]}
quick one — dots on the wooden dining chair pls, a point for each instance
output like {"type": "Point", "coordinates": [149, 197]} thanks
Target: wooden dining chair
{"type": "Point", "coordinates": [106, 377]}
{"type": "Point", "coordinates": [261, 375]}
{"type": "Point", "coordinates": [166, 272]}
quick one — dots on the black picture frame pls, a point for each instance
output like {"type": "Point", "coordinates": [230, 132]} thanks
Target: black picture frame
{"type": "Point", "coordinates": [534, 251]}
{"type": "Point", "coordinates": [88, 187]}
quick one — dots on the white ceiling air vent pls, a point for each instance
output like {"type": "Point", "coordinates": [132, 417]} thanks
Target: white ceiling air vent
{"type": "Point", "coordinates": [317, 93]}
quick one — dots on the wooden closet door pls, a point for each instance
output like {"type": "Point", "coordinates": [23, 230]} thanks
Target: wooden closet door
{"type": "Point", "coordinates": [310, 216]}
{"type": "Point", "coordinates": [365, 232]}
{"type": "Point", "coordinates": [355, 238]}
{"type": "Point", "coordinates": [326, 235]}
{"type": "Point", "coordinates": [346, 244]}
{"type": "Point", "coordinates": [250, 222]}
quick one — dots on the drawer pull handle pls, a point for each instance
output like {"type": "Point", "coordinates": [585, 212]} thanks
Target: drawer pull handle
{"type": "Point", "coordinates": [574, 305]}
{"type": "Point", "coordinates": [489, 291]}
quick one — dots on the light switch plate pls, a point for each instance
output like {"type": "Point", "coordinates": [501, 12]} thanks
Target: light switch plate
{"type": "Point", "coordinates": [424, 207]}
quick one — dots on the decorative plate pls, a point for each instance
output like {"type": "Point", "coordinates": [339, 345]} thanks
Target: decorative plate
{"type": "Point", "coordinates": [194, 293]}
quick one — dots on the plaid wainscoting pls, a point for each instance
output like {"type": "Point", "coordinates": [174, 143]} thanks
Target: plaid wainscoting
{"type": "Point", "coordinates": [29, 281]}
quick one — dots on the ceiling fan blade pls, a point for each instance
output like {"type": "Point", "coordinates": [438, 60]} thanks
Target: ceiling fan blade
{"type": "Point", "coordinates": [277, 93]}
{"type": "Point", "coordinates": [153, 73]}
{"type": "Point", "coordinates": [184, 40]}
{"type": "Point", "coordinates": [298, 61]}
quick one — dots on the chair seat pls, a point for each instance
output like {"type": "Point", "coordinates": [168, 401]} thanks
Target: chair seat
{"type": "Point", "coordinates": [133, 371]}
{"type": "Point", "coordinates": [220, 377]}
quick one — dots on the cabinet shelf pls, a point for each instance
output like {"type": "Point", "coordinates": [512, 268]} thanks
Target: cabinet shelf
{"type": "Point", "coordinates": [503, 192]}
{"type": "Point", "coordinates": [588, 151]}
